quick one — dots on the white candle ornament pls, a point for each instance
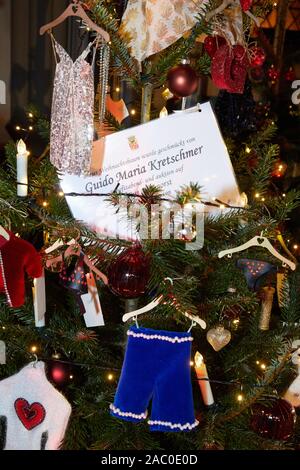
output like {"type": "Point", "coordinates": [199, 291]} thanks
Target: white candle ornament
{"type": "Point", "coordinates": [204, 385]}
{"type": "Point", "coordinates": [22, 166]}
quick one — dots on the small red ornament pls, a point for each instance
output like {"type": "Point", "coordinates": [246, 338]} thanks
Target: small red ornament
{"type": "Point", "coordinates": [275, 421]}
{"type": "Point", "coordinates": [229, 68]}
{"type": "Point", "coordinates": [257, 56]}
{"type": "Point", "coordinates": [273, 73]}
{"type": "Point", "coordinates": [279, 169]}
{"type": "Point", "coordinates": [59, 372]}
{"type": "Point", "coordinates": [129, 274]}
{"type": "Point", "coordinates": [183, 80]}
{"type": "Point", "coordinates": [245, 4]}
{"type": "Point", "coordinates": [290, 75]}
{"type": "Point", "coordinates": [212, 43]}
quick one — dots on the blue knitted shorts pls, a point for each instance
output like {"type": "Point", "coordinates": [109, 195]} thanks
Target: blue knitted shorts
{"type": "Point", "coordinates": [157, 367]}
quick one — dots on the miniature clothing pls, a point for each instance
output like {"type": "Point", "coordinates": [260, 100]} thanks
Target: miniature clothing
{"type": "Point", "coordinates": [152, 25]}
{"type": "Point", "coordinates": [156, 367]}
{"type": "Point", "coordinates": [17, 257]}
{"type": "Point", "coordinates": [33, 414]}
{"type": "Point", "coordinates": [255, 271]}
{"type": "Point", "coordinates": [72, 115]}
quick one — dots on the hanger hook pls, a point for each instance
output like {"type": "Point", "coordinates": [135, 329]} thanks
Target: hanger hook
{"type": "Point", "coordinates": [170, 280]}
{"type": "Point", "coordinates": [136, 322]}
{"type": "Point", "coordinates": [192, 326]}
{"type": "Point", "coordinates": [35, 360]}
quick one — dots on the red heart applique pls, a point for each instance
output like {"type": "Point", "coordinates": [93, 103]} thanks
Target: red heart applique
{"type": "Point", "coordinates": [29, 415]}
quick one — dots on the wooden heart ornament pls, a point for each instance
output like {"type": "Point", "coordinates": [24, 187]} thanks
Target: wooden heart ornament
{"type": "Point", "coordinates": [29, 415]}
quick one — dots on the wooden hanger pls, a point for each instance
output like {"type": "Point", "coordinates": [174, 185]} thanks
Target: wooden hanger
{"type": "Point", "coordinates": [4, 233]}
{"type": "Point", "coordinates": [59, 242]}
{"type": "Point", "coordinates": [134, 314]}
{"type": "Point", "coordinates": [264, 243]}
{"type": "Point", "coordinates": [75, 9]}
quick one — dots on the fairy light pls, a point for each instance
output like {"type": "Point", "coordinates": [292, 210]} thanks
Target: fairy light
{"type": "Point", "coordinates": [110, 377]}
{"type": "Point", "coordinates": [71, 377]}
{"type": "Point", "coordinates": [222, 206]}
{"type": "Point", "coordinates": [263, 199]}
{"type": "Point", "coordinates": [257, 362]}
{"type": "Point", "coordinates": [30, 128]}
{"type": "Point", "coordinates": [240, 397]}
{"type": "Point", "coordinates": [295, 247]}
{"type": "Point", "coordinates": [117, 89]}
{"type": "Point", "coordinates": [30, 115]}
{"type": "Point", "coordinates": [61, 193]}
{"type": "Point", "coordinates": [18, 128]}
{"type": "Point", "coordinates": [33, 348]}
{"type": "Point", "coordinates": [263, 366]}
{"type": "Point", "coordinates": [257, 195]}
{"type": "Point", "coordinates": [191, 363]}
{"type": "Point", "coordinates": [236, 322]}
{"type": "Point", "coordinates": [133, 112]}
{"type": "Point", "coordinates": [248, 150]}
{"type": "Point", "coordinates": [3, 328]}
{"type": "Point", "coordinates": [283, 194]}
{"type": "Point", "coordinates": [45, 204]}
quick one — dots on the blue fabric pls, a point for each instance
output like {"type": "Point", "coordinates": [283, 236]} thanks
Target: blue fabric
{"type": "Point", "coordinates": [160, 370]}
{"type": "Point", "coordinates": [255, 271]}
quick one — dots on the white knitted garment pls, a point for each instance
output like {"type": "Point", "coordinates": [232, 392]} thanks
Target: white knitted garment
{"type": "Point", "coordinates": [33, 414]}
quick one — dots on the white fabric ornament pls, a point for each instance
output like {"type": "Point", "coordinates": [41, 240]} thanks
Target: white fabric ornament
{"type": "Point", "coordinates": [153, 25]}
{"type": "Point", "coordinates": [33, 414]}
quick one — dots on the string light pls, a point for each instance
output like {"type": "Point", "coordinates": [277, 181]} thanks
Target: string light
{"type": "Point", "coordinates": [133, 112]}
{"type": "Point", "coordinates": [117, 89]}
{"type": "Point", "coordinates": [256, 194]}
{"type": "Point", "coordinates": [257, 362]}
{"type": "Point", "coordinates": [295, 247]}
{"type": "Point", "coordinates": [18, 128]}
{"type": "Point", "coordinates": [191, 363]}
{"type": "Point", "coordinates": [240, 397]}
{"type": "Point", "coordinates": [263, 199]}
{"type": "Point", "coordinates": [34, 348]}
{"type": "Point", "coordinates": [110, 377]}
{"type": "Point", "coordinates": [30, 115]}
{"type": "Point", "coordinates": [248, 150]}
{"type": "Point", "coordinates": [30, 128]}
{"type": "Point", "coordinates": [283, 194]}
{"type": "Point", "coordinates": [45, 203]}
{"type": "Point", "coordinates": [3, 328]}
{"type": "Point", "coordinates": [263, 366]}
{"type": "Point", "coordinates": [61, 193]}
{"type": "Point", "coordinates": [222, 206]}
{"type": "Point", "coordinates": [71, 377]}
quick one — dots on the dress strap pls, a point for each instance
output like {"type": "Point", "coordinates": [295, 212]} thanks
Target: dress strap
{"type": "Point", "coordinates": [53, 43]}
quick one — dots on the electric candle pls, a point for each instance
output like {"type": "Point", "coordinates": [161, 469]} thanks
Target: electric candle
{"type": "Point", "coordinates": [22, 165]}
{"type": "Point", "coordinates": [204, 384]}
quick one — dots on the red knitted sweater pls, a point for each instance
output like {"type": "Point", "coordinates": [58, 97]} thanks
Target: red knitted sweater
{"type": "Point", "coordinates": [17, 257]}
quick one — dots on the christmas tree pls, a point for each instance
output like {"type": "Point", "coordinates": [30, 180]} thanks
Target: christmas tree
{"type": "Point", "coordinates": [243, 363]}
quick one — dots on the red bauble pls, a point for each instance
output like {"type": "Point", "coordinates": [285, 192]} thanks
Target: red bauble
{"type": "Point", "coordinates": [275, 421]}
{"type": "Point", "coordinates": [257, 56]}
{"type": "Point", "coordinates": [273, 73]}
{"type": "Point", "coordinates": [212, 43]}
{"type": "Point", "coordinates": [279, 169]}
{"type": "Point", "coordinates": [290, 75]}
{"type": "Point", "coordinates": [183, 80]}
{"type": "Point", "coordinates": [59, 373]}
{"type": "Point", "coordinates": [129, 274]}
{"type": "Point", "coordinates": [246, 4]}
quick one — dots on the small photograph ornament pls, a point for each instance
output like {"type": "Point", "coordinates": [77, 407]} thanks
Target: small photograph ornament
{"type": "Point", "coordinates": [218, 337]}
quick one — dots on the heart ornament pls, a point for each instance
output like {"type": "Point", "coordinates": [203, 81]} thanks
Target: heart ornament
{"type": "Point", "coordinates": [30, 416]}
{"type": "Point", "coordinates": [218, 337]}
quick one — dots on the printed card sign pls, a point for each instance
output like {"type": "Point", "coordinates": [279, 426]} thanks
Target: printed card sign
{"type": "Point", "coordinates": [170, 152]}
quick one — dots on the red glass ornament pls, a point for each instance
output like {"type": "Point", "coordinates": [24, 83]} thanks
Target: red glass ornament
{"type": "Point", "coordinates": [275, 421]}
{"type": "Point", "coordinates": [257, 74]}
{"type": "Point", "coordinates": [290, 75]}
{"type": "Point", "coordinates": [212, 43]}
{"type": "Point", "coordinates": [273, 73]}
{"type": "Point", "coordinates": [257, 56]}
{"type": "Point", "coordinates": [183, 80]}
{"type": "Point", "coordinates": [279, 169]}
{"type": "Point", "coordinates": [129, 274]}
{"type": "Point", "coordinates": [59, 373]}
